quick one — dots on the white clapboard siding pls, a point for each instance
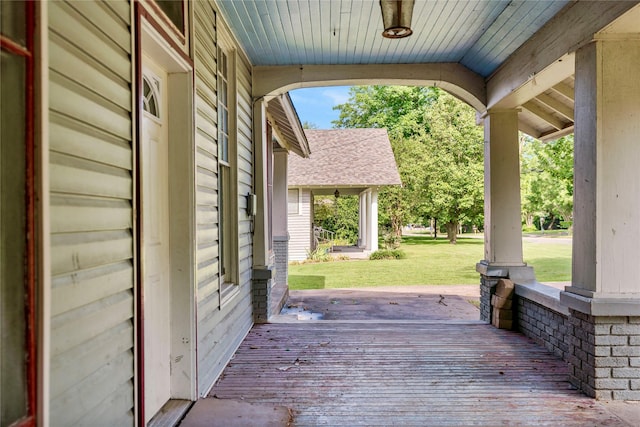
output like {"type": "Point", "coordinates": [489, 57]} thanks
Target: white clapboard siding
{"type": "Point", "coordinates": [300, 228]}
{"type": "Point", "coordinates": [91, 185]}
{"type": "Point", "coordinates": [220, 329]}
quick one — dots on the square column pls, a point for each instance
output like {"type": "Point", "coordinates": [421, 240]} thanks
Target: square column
{"type": "Point", "coordinates": [263, 270]}
{"type": "Point", "coordinates": [280, 223]}
{"type": "Point", "coordinates": [604, 297]}
{"type": "Point", "coordinates": [373, 220]}
{"type": "Point", "coordinates": [362, 222]}
{"type": "Point", "coordinates": [502, 212]}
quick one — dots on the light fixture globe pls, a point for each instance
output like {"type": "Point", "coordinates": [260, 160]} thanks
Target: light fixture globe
{"type": "Point", "coordinates": [396, 18]}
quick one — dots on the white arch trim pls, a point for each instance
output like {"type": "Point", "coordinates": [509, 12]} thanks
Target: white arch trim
{"type": "Point", "coordinates": [454, 78]}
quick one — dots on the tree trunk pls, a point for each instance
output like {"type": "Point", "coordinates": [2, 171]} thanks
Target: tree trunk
{"type": "Point", "coordinates": [435, 228]}
{"type": "Point", "coordinates": [529, 220]}
{"type": "Point", "coordinates": [452, 232]}
{"type": "Point", "coordinates": [396, 216]}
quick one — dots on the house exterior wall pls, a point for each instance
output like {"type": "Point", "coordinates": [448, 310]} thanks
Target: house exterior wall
{"type": "Point", "coordinates": [300, 227]}
{"type": "Point", "coordinates": [220, 328]}
{"type": "Point", "coordinates": [91, 199]}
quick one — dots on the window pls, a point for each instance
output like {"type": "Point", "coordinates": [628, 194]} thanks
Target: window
{"type": "Point", "coordinates": [293, 200]}
{"type": "Point", "coordinates": [174, 9]}
{"type": "Point", "coordinates": [150, 97]}
{"type": "Point", "coordinates": [227, 186]}
{"type": "Point", "coordinates": [17, 250]}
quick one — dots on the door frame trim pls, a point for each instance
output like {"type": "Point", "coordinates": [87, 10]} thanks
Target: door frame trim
{"type": "Point", "coordinates": [152, 38]}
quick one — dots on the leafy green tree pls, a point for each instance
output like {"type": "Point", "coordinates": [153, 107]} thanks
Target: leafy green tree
{"type": "Point", "coordinates": [547, 180]}
{"type": "Point", "coordinates": [454, 169]}
{"type": "Point", "coordinates": [309, 125]}
{"type": "Point", "coordinates": [399, 109]}
{"type": "Point", "coordinates": [437, 147]}
{"type": "Point", "coordinates": [339, 215]}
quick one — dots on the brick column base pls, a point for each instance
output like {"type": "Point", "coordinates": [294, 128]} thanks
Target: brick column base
{"type": "Point", "coordinates": [487, 289]}
{"type": "Point", "coordinates": [261, 293]}
{"type": "Point", "coordinates": [281, 251]}
{"type": "Point", "coordinates": [604, 356]}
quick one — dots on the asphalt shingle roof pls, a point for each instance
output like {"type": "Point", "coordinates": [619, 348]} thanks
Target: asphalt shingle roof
{"type": "Point", "coordinates": [345, 157]}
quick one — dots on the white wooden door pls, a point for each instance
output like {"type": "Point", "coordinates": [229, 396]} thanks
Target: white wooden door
{"type": "Point", "coordinates": [155, 239]}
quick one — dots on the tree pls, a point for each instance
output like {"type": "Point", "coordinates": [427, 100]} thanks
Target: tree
{"type": "Point", "coordinates": [399, 109]}
{"type": "Point", "coordinates": [437, 147]}
{"type": "Point", "coordinates": [453, 170]}
{"type": "Point", "coordinates": [339, 215]}
{"type": "Point", "coordinates": [547, 180]}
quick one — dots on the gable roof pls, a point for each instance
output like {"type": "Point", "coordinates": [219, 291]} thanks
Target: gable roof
{"type": "Point", "coordinates": [345, 157]}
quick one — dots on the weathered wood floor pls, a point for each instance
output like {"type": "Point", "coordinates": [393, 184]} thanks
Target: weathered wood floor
{"type": "Point", "coordinates": [402, 373]}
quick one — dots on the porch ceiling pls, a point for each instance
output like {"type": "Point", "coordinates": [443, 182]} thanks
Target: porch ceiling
{"type": "Point", "coordinates": [521, 49]}
{"type": "Point", "coordinates": [478, 34]}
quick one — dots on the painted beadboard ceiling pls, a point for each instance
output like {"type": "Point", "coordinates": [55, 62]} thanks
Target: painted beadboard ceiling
{"type": "Point", "coordinates": [479, 34]}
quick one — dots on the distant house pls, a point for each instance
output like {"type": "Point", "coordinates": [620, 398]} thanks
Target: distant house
{"type": "Point", "coordinates": [343, 162]}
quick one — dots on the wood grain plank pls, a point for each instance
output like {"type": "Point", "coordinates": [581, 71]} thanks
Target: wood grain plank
{"type": "Point", "coordinates": [395, 373]}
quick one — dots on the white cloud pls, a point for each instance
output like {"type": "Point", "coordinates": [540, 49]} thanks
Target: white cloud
{"type": "Point", "coordinates": [337, 95]}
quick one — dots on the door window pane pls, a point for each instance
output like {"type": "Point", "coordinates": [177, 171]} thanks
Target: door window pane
{"type": "Point", "coordinates": [13, 21]}
{"type": "Point", "coordinates": [13, 380]}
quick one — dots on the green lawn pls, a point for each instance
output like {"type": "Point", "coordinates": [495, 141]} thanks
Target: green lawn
{"type": "Point", "coordinates": [428, 262]}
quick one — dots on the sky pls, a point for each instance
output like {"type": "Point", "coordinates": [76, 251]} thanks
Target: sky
{"type": "Point", "coordinates": [315, 105]}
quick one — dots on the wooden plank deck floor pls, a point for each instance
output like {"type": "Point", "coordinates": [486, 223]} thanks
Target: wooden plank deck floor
{"type": "Point", "coordinates": [406, 373]}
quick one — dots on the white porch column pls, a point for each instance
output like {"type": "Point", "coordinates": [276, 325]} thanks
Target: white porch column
{"type": "Point", "coordinates": [362, 224]}
{"type": "Point", "coordinates": [369, 198]}
{"type": "Point", "coordinates": [606, 242]}
{"type": "Point", "coordinates": [373, 220]}
{"type": "Point", "coordinates": [604, 297]}
{"type": "Point", "coordinates": [260, 234]}
{"type": "Point", "coordinates": [502, 215]}
{"type": "Point", "coordinates": [263, 270]}
{"type": "Point", "coordinates": [280, 192]}
{"type": "Point", "coordinates": [280, 215]}
{"type": "Point", "coordinates": [367, 223]}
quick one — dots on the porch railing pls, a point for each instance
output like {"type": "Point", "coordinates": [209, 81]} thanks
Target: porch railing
{"type": "Point", "coordinates": [320, 236]}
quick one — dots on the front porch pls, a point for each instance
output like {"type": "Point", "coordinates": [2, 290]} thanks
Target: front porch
{"type": "Point", "coordinates": [404, 373]}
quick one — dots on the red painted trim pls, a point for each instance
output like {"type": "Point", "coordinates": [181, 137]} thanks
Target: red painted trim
{"type": "Point", "coordinates": [32, 374]}
{"type": "Point", "coordinates": [138, 219]}
{"type": "Point", "coordinates": [13, 47]}
{"type": "Point", "coordinates": [156, 26]}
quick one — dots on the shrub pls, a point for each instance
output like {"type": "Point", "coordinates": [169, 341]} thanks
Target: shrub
{"type": "Point", "coordinates": [319, 254]}
{"type": "Point", "coordinates": [389, 240]}
{"type": "Point", "coordinates": [529, 228]}
{"type": "Point", "coordinates": [388, 254]}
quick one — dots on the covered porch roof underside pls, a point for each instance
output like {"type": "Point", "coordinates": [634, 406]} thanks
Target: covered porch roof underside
{"type": "Point", "coordinates": [491, 54]}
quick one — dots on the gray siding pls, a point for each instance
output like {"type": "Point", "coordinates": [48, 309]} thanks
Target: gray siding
{"type": "Point", "coordinates": [220, 329]}
{"type": "Point", "coordinates": [92, 340]}
{"type": "Point", "coordinates": [300, 228]}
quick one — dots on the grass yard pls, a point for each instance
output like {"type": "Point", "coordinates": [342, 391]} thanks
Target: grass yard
{"type": "Point", "coordinates": [428, 262]}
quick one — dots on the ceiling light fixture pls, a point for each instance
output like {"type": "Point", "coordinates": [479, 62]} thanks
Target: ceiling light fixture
{"type": "Point", "coordinates": [396, 18]}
